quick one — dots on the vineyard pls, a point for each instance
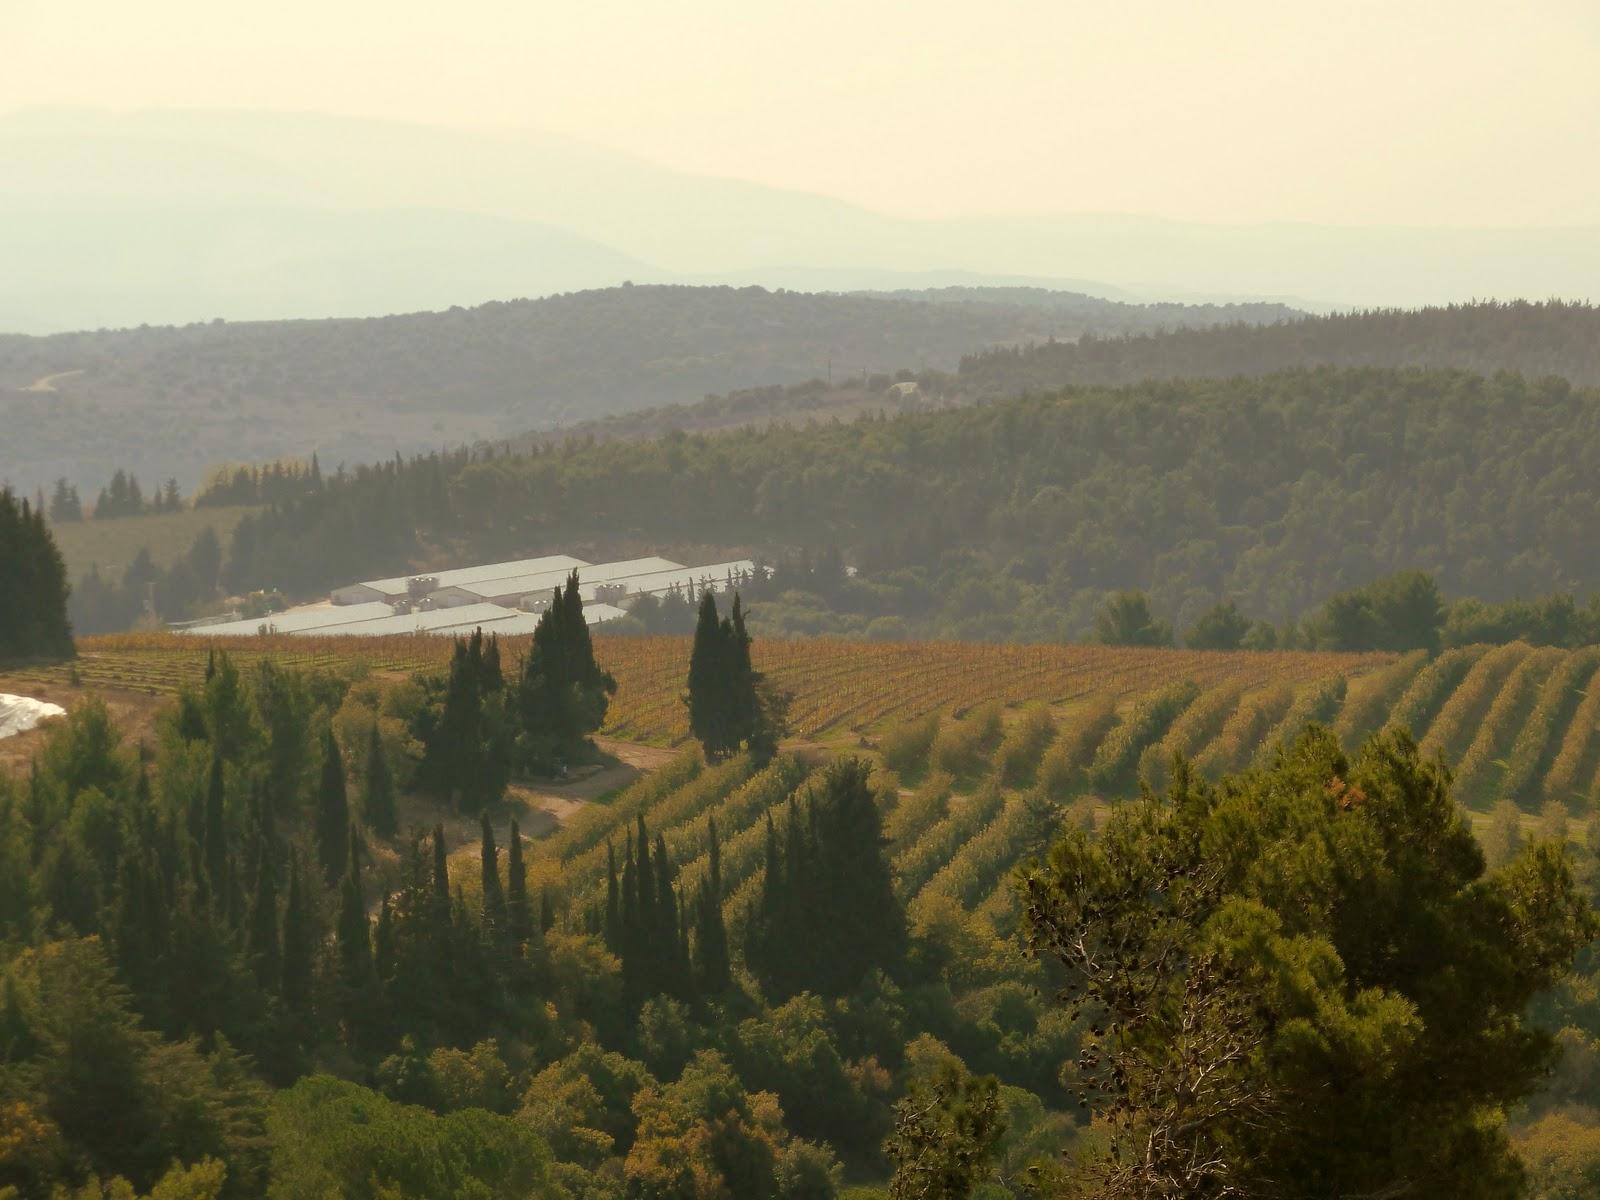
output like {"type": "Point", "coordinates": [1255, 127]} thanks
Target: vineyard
{"type": "Point", "coordinates": [1513, 720]}
{"type": "Point", "coordinates": [983, 750]}
{"type": "Point", "coordinates": [838, 687]}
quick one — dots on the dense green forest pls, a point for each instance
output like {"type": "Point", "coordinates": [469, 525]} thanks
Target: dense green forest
{"type": "Point", "coordinates": [1017, 519]}
{"type": "Point", "coordinates": [177, 401]}
{"type": "Point", "coordinates": [1535, 339]}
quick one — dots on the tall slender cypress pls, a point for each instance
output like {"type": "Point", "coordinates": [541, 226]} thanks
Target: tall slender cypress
{"type": "Point", "coordinates": [518, 918]}
{"type": "Point", "coordinates": [262, 940]}
{"type": "Point", "coordinates": [333, 812]}
{"type": "Point", "coordinates": [299, 948]}
{"type": "Point", "coordinates": [378, 802]}
{"type": "Point", "coordinates": [214, 835]}
{"type": "Point", "coordinates": [613, 926]}
{"type": "Point", "coordinates": [494, 896]}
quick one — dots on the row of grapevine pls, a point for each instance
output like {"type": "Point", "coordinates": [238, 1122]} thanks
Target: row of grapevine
{"type": "Point", "coordinates": [1062, 769]}
{"type": "Point", "coordinates": [1482, 766]}
{"type": "Point", "coordinates": [963, 746]}
{"type": "Point", "coordinates": [707, 789]}
{"type": "Point", "coordinates": [1117, 758]}
{"type": "Point", "coordinates": [1017, 759]}
{"type": "Point", "coordinates": [915, 813]}
{"type": "Point", "coordinates": [1568, 779]}
{"type": "Point", "coordinates": [974, 870]}
{"type": "Point", "coordinates": [914, 866]}
{"type": "Point", "coordinates": [1318, 704]}
{"type": "Point", "coordinates": [1375, 696]}
{"type": "Point", "coordinates": [1535, 748]}
{"type": "Point", "coordinates": [1200, 722]}
{"type": "Point", "coordinates": [1420, 703]}
{"type": "Point", "coordinates": [1458, 720]}
{"type": "Point", "coordinates": [1246, 729]}
{"type": "Point", "coordinates": [591, 825]}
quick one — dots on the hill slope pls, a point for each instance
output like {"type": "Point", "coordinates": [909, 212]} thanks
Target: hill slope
{"type": "Point", "coordinates": [173, 401]}
{"type": "Point", "coordinates": [1537, 339]}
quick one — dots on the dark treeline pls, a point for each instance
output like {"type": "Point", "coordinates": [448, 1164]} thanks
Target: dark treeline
{"type": "Point", "coordinates": [1404, 611]}
{"type": "Point", "coordinates": [33, 586]}
{"type": "Point", "coordinates": [122, 497]}
{"type": "Point", "coordinates": [1552, 338]}
{"type": "Point", "coordinates": [1016, 519]}
{"type": "Point", "coordinates": [271, 484]}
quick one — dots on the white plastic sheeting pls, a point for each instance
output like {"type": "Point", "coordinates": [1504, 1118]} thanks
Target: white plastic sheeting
{"type": "Point", "coordinates": [18, 714]}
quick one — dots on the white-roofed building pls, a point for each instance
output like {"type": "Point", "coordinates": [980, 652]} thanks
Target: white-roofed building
{"type": "Point", "coordinates": [425, 621]}
{"type": "Point", "coordinates": [530, 589]}
{"type": "Point", "coordinates": [425, 583]}
{"type": "Point", "coordinates": [312, 618]}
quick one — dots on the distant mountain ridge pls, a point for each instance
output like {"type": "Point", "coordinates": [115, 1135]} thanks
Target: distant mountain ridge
{"type": "Point", "coordinates": [120, 219]}
{"type": "Point", "coordinates": [174, 401]}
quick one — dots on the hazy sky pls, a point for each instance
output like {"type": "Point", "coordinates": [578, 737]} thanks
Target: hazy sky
{"type": "Point", "coordinates": [1349, 111]}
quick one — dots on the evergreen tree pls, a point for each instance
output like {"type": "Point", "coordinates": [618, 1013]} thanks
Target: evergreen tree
{"type": "Point", "coordinates": [562, 694]}
{"type": "Point", "coordinates": [613, 925]}
{"type": "Point", "coordinates": [333, 812]}
{"type": "Point", "coordinates": [494, 897]}
{"type": "Point", "coordinates": [378, 800]}
{"type": "Point", "coordinates": [262, 939]}
{"type": "Point", "coordinates": [709, 670]}
{"type": "Point", "coordinates": [518, 918]}
{"type": "Point", "coordinates": [712, 971]}
{"type": "Point", "coordinates": [215, 832]}
{"type": "Point", "coordinates": [724, 689]}
{"type": "Point", "coordinates": [33, 586]}
{"type": "Point", "coordinates": [356, 976]}
{"type": "Point", "coordinates": [828, 915]}
{"type": "Point", "coordinates": [299, 949]}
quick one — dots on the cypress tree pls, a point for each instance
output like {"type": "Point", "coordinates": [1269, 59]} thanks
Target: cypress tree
{"type": "Point", "coordinates": [547, 914]}
{"type": "Point", "coordinates": [708, 677]}
{"type": "Point", "coordinates": [378, 802]}
{"type": "Point", "coordinates": [518, 918]}
{"type": "Point", "coordinates": [299, 948]}
{"type": "Point", "coordinates": [441, 868]}
{"type": "Point", "coordinates": [713, 973]}
{"type": "Point", "coordinates": [613, 926]}
{"type": "Point", "coordinates": [383, 952]}
{"type": "Point", "coordinates": [262, 940]}
{"type": "Point", "coordinates": [333, 812]}
{"type": "Point", "coordinates": [355, 949]}
{"type": "Point", "coordinates": [214, 835]}
{"type": "Point", "coordinates": [494, 897]}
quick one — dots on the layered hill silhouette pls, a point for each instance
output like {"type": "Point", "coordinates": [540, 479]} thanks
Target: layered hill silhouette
{"type": "Point", "coordinates": [174, 401]}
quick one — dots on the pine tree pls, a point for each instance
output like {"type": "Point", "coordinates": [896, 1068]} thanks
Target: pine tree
{"type": "Point", "coordinates": [333, 812]}
{"type": "Point", "coordinates": [378, 801]}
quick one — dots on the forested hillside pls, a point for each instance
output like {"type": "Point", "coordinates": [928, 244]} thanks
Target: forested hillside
{"type": "Point", "coordinates": [1553, 338]}
{"type": "Point", "coordinates": [174, 401]}
{"type": "Point", "coordinates": [1015, 519]}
